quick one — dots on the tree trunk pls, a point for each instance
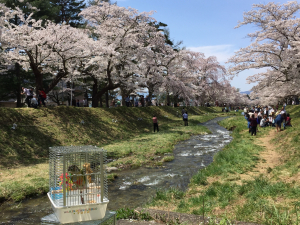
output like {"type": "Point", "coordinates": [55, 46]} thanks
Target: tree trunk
{"type": "Point", "coordinates": [95, 96]}
{"type": "Point", "coordinates": [168, 99]}
{"type": "Point", "coordinates": [175, 100]}
{"type": "Point", "coordinates": [19, 96]}
{"type": "Point", "coordinates": [123, 94]}
{"type": "Point", "coordinates": [101, 103]}
{"type": "Point", "coordinates": [106, 99]}
{"type": "Point", "coordinates": [69, 100]}
{"type": "Point", "coordinates": [38, 79]}
{"type": "Point", "coordinates": [151, 90]}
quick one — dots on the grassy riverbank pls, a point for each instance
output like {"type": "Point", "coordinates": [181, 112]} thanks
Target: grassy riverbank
{"type": "Point", "coordinates": [126, 133]}
{"type": "Point", "coordinates": [253, 179]}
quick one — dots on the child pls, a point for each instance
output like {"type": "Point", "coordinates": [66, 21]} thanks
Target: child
{"type": "Point", "coordinates": [270, 119]}
{"type": "Point", "coordinates": [155, 124]}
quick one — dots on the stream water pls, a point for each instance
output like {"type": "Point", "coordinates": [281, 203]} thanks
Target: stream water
{"type": "Point", "coordinates": [134, 188]}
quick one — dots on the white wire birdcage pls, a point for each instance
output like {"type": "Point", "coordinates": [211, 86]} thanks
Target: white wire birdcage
{"type": "Point", "coordinates": [78, 183]}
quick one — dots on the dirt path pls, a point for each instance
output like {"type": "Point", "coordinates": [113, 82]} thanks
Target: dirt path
{"type": "Point", "coordinates": [269, 158]}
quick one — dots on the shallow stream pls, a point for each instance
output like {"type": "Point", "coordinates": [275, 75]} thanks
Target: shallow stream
{"type": "Point", "coordinates": [134, 188]}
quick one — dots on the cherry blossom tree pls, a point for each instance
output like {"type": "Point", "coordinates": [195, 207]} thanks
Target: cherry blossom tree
{"type": "Point", "coordinates": [275, 47]}
{"type": "Point", "coordinates": [128, 33]}
{"type": "Point", "coordinates": [210, 78]}
{"type": "Point", "coordinates": [121, 48]}
{"type": "Point", "coordinates": [53, 50]}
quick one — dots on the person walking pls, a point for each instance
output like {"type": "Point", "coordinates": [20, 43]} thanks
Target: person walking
{"type": "Point", "coordinates": [155, 124]}
{"type": "Point", "coordinates": [112, 103]}
{"type": "Point", "coordinates": [29, 95]}
{"type": "Point", "coordinates": [266, 112]}
{"type": "Point", "coordinates": [253, 124]}
{"type": "Point", "coordinates": [136, 103]}
{"type": "Point", "coordinates": [284, 105]}
{"type": "Point", "coordinates": [142, 101]}
{"type": "Point", "coordinates": [185, 118]}
{"type": "Point", "coordinates": [247, 117]}
{"type": "Point", "coordinates": [42, 97]}
{"type": "Point", "coordinates": [147, 100]}
{"type": "Point", "coordinates": [127, 100]}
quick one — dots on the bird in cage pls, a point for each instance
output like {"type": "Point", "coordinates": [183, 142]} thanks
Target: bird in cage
{"type": "Point", "coordinates": [78, 179]}
{"type": "Point", "coordinates": [73, 169]}
{"type": "Point", "coordinates": [88, 169]}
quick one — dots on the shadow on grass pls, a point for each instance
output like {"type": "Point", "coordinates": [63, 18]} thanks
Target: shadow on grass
{"type": "Point", "coordinates": [39, 129]}
{"type": "Point", "coordinates": [27, 144]}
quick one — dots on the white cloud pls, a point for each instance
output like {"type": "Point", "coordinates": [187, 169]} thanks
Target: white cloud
{"type": "Point", "coordinates": [222, 52]}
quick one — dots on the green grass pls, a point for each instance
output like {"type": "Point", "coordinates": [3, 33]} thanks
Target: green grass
{"type": "Point", "coordinates": [127, 213]}
{"type": "Point", "coordinates": [142, 149]}
{"type": "Point", "coordinates": [39, 129]}
{"type": "Point", "coordinates": [237, 157]}
{"type": "Point", "coordinates": [272, 199]}
{"type": "Point", "coordinates": [129, 141]}
{"type": "Point", "coordinates": [168, 158]}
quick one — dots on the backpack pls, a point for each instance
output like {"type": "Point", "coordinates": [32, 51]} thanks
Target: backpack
{"type": "Point", "coordinates": [31, 92]}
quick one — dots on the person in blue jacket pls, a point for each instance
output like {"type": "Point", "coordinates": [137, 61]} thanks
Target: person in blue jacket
{"type": "Point", "coordinates": [278, 121]}
{"type": "Point", "coordinates": [247, 117]}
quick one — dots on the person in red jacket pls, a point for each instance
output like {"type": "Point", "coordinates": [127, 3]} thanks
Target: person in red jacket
{"type": "Point", "coordinates": [287, 121]}
{"type": "Point", "coordinates": [42, 97]}
{"type": "Point", "coordinates": [253, 125]}
{"type": "Point", "coordinates": [155, 124]}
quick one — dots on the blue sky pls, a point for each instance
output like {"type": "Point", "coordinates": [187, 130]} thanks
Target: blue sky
{"type": "Point", "coordinates": [204, 25]}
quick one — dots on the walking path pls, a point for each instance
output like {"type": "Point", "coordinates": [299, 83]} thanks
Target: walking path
{"type": "Point", "coordinates": [268, 159]}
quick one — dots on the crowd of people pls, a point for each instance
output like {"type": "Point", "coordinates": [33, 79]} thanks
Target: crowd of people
{"type": "Point", "coordinates": [33, 100]}
{"type": "Point", "coordinates": [258, 116]}
{"type": "Point", "coordinates": [138, 101]}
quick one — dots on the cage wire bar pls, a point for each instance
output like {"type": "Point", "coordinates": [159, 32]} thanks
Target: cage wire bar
{"type": "Point", "coordinates": [78, 183]}
{"type": "Point", "coordinates": [77, 175]}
